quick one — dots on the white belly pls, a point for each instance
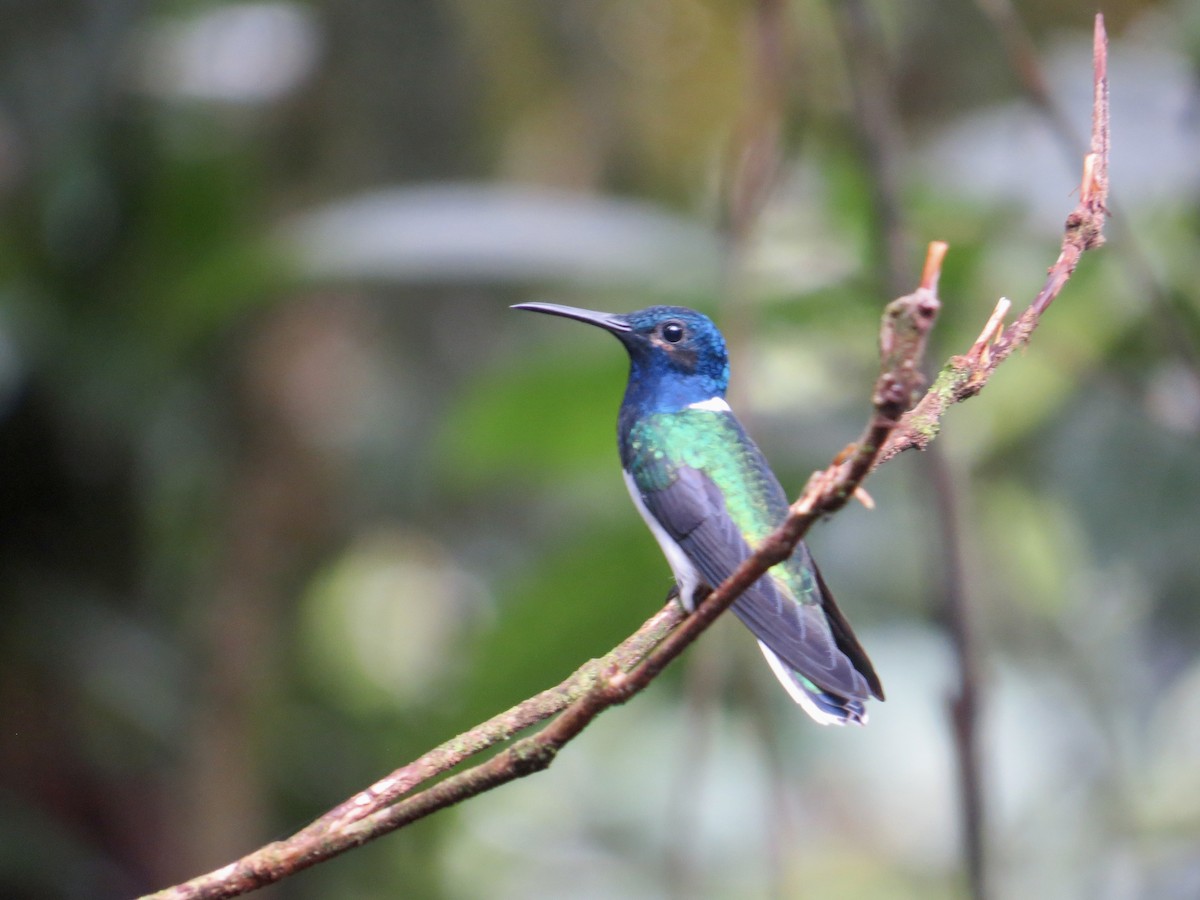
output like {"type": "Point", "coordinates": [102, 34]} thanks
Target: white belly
{"type": "Point", "coordinates": [686, 575]}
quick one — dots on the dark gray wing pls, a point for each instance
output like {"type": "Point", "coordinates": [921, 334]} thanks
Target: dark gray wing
{"type": "Point", "coordinates": [813, 639]}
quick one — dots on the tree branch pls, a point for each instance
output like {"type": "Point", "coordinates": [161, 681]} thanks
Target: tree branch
{"type": "Point", "coordinates": [965, 376]}
{"type": "Point", "coordinates": [634, 664]}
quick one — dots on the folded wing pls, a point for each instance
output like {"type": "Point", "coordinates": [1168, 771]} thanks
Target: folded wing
{"type": "Point", "coordinates": [808, 634]}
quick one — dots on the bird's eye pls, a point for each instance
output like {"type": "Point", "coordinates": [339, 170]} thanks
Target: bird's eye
{"type": "Point", "coordinates": [672, 332]}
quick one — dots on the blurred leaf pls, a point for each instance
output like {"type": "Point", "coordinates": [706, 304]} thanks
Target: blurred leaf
{"type": "Point", "coordinates": [502, 233]}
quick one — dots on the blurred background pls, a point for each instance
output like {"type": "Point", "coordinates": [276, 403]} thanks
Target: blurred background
{"type": "Point", "coordinates": [289, 494]}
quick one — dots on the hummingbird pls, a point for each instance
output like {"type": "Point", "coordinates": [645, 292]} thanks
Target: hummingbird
{"type": "Point", "coordinates": [708, 496]}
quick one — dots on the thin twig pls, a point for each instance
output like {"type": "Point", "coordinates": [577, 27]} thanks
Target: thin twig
{"type": "Point", "coordinates": [1022, 55]}
{"type": "Point", "coordinates": [965, 376]}
{"type": "Point", "coordinates": [1175, 319]}
{"type": "Point", "coordinates": [964, 703]}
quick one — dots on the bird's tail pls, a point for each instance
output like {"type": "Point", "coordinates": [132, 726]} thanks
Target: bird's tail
{"type": "Point", "coordinates": [824, 707]}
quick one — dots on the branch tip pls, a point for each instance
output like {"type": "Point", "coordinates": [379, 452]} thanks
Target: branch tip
{"type": "Point", "coordinates": [991, 330]}
{"type": "Point", "coordinates": [934, 256]}
{"type": "Point", "coordinates": [1100, 48]}
{"type": "Point", "coordinates": [1095, 190]}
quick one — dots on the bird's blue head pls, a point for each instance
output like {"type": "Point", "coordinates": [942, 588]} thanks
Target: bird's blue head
{"type": "Point", "coordinates": [677, 356]}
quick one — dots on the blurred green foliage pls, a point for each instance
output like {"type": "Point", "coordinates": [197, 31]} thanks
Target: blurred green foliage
{"type": "Point", "coordinates": [291, 496]}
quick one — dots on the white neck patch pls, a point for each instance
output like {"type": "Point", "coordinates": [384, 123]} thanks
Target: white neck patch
{"type": "Point", "coordinates": [712, 404]}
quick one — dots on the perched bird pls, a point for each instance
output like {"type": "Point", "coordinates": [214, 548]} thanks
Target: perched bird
{"type": "Point", "coordinates": [709, 497]}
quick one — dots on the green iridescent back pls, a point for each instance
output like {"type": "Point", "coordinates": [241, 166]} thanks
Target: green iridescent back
{"type": "Point", "coordinates": [714, 442]}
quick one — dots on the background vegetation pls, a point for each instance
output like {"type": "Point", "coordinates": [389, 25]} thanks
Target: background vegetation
{"type": "Point", "coordinates": [289, 494]}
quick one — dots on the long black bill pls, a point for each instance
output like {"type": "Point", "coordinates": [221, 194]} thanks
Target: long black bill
{"type": "Point", "coordinates": [608, 321]}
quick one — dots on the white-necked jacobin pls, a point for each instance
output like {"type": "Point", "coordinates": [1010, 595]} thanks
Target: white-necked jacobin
{"type": "Point", "coordinates": [709, 497]}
